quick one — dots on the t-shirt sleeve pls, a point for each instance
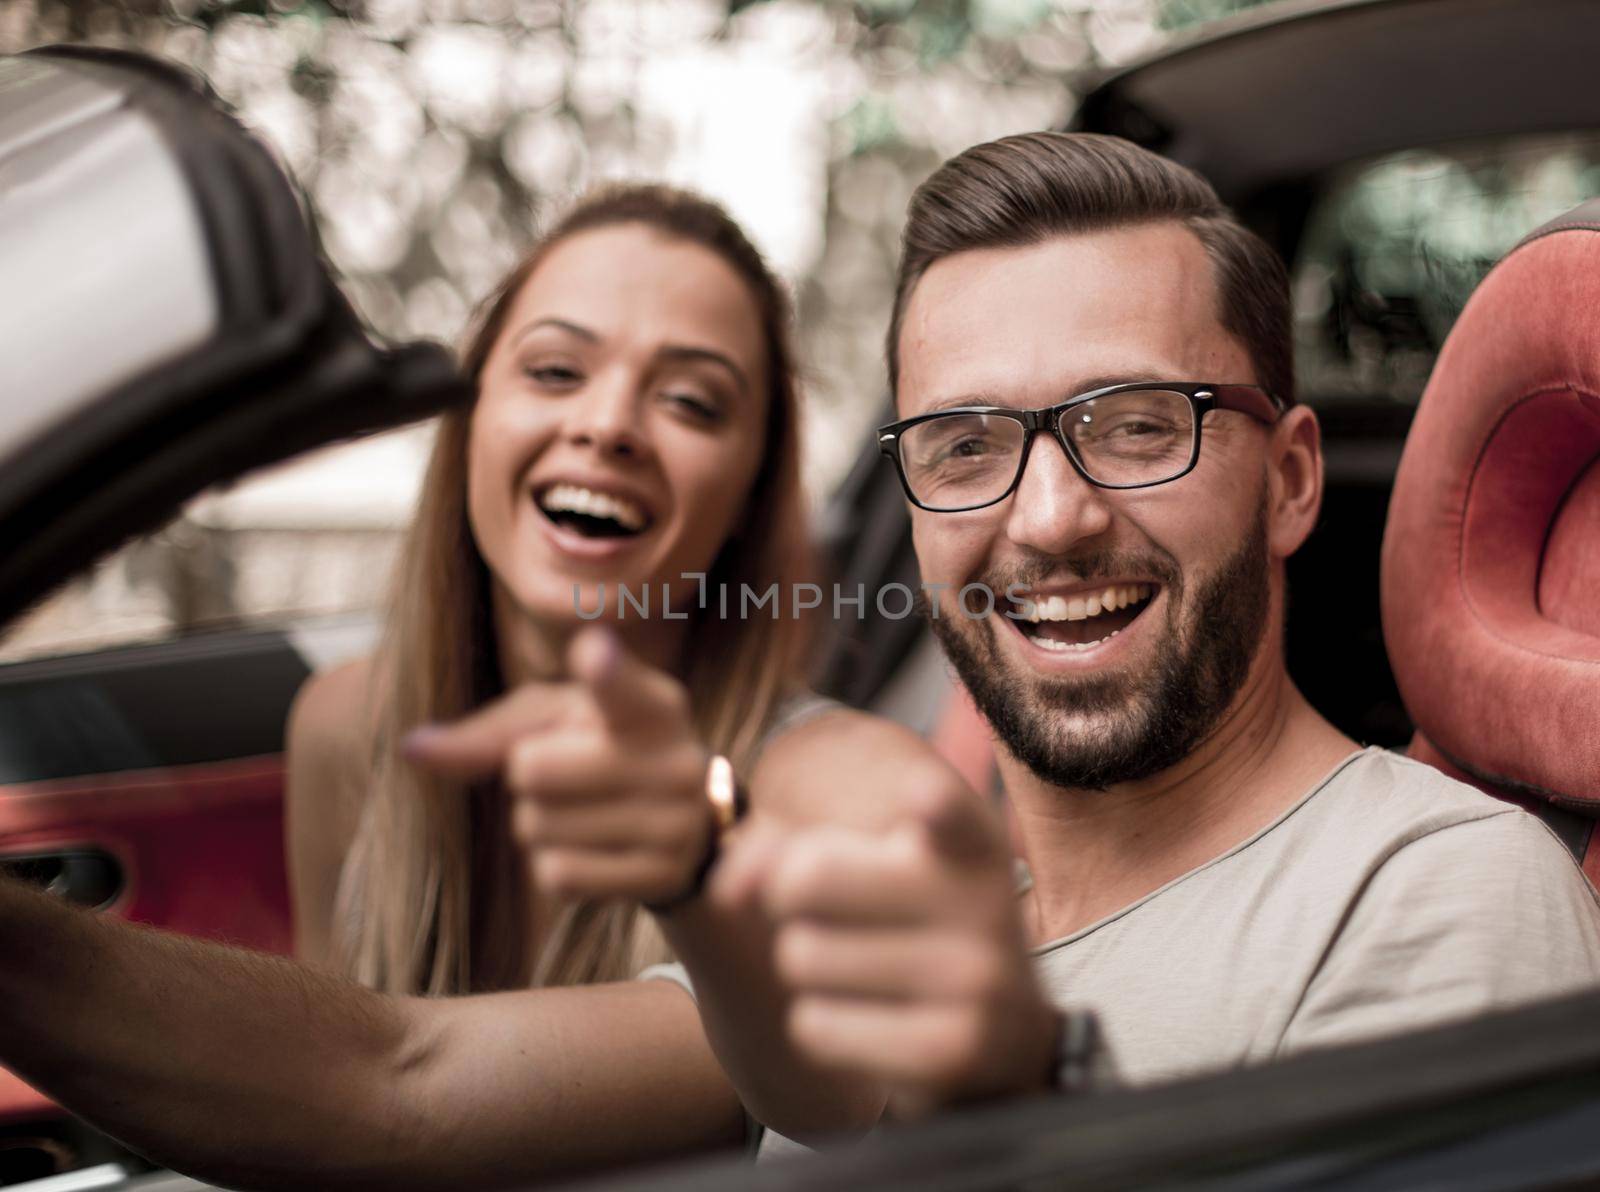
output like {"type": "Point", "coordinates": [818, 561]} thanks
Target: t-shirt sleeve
{"type": "Point", "coordinates": [1472, 917]}
{"type": "Point", "coordinates": [675, 973]}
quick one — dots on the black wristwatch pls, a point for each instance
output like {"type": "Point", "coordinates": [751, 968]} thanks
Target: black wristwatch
{"type": "Point", "coordinates": [727, 803]}
{"type": "Point", "coordinates": [1082, 1062]}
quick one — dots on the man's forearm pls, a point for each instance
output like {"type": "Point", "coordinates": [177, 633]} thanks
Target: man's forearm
{"type": "Point", "coordinates": [239, 1067]}
{"type": "Point", "coordinates": [256, 1071]}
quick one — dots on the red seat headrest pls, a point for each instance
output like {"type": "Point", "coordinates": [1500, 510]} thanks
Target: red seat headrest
{"type": "Point", "coordinates": [1491, 558]}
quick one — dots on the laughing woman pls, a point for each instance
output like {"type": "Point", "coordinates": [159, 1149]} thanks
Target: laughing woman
{"type": "Point", "coordinates": [635, 422]}
{"type": "Point", "coordinates": [635, 426]}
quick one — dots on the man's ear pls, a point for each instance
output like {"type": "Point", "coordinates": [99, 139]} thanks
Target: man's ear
{"type": "Point", "coordinates": [1294, 480]}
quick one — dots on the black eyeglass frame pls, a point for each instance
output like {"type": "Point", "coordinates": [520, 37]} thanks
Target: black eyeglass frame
{"type": "Point", "coordinates": [1253, 400]}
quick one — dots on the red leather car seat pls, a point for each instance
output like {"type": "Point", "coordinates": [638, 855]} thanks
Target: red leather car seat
{"type": "Point", "coordinates": [1491, 558]}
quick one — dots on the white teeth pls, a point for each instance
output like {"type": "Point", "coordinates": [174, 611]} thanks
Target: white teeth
{"type": "Point", "coordinates": [1050, 643]}
{"type": "Point", "coordinates": [1081, 608]}
{"type": "Point", "coordinates": [571, 498]}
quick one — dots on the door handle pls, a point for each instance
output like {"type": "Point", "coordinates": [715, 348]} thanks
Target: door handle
{"type": "Point", "coordinates": [87, 877]}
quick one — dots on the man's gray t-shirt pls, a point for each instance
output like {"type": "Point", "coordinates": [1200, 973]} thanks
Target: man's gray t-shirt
{"type": "Point", "coordinates": [1389, 898]}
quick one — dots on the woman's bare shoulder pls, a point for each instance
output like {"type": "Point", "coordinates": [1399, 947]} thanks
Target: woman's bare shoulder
{"type": "Point", "coordinates": [334, 707]}
{"type": "Point", "coordinates": [850, 767]}
{"type": "Point", "coordinates": [327, 773]}
{"type": "Point", "coordinates": [332, 726]}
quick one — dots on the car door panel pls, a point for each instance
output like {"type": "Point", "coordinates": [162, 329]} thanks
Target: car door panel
{"type": "Point", "coordinates": [148, 781]}
{"type": "Point", "coordinates": [199, 849]}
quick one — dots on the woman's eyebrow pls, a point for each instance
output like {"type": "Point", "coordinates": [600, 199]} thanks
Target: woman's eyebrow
{"type": "Point", "coordinates": [577, 329]}
{"type": "Point", "coordinates": [709, 355]}
{"type": "Point", "coordinates": [670, 352]}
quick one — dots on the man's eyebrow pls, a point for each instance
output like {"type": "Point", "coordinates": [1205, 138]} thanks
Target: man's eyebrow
{"type": "Point", "coordinates": [962, 399]}
{"type": "Point", "coordinates": [1086, 385]}
{"type": "Point", "coordinates": [1106, 380]}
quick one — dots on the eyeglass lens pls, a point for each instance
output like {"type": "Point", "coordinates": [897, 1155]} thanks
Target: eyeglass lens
{"type": "Point", "coordinates": [957, 461]}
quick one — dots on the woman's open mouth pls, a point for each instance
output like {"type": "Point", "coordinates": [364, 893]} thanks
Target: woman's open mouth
{"type": "Point", "coordinates": [1082, 620]}
{"type": "Point", "coordinates": [592, 513]}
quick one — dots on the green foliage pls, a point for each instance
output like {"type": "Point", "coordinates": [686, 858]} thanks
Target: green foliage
{"type": "Point", "coordinates": [1174, 15]}
{"type": "Point", "coordinates": [870, 124]}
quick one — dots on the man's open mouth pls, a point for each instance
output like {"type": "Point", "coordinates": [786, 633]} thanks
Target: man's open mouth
{"type": "Point", "coordinates": [592, 513]}
{"type": "Point", "coordinates": [1083, 619]}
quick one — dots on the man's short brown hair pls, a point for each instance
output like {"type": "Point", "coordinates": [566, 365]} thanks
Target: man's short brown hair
{"type": "Point", "coordinates": [1025, 189]}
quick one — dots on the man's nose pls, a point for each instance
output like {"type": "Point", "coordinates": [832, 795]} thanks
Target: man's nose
{"type": "Point", "coordinates": [608, 415]}
{"type": "Point", "coordinates": [1054, 508]}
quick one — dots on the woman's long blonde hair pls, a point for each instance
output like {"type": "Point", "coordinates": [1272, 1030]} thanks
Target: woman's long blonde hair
{"type": "Point", "coordinates": [430, 899]}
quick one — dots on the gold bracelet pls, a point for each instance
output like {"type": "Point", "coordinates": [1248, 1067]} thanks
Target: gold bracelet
{"type": "Point", "coordinates": [727, 798]}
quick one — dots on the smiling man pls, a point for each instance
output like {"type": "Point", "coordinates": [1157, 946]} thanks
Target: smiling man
{"type": "Point", "coordinates": [1092, 364]}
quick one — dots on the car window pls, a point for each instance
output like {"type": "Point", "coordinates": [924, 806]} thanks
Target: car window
{"type": "Point", "coordinates": [316, 536]}
{"type": "Point", "coordinates": [1394, 247]}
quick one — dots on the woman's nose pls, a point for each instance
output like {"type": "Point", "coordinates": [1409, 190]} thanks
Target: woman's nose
{"type": "Point", "coordinates": [606, 416]}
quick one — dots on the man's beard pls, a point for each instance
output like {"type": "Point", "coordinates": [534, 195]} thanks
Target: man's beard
{"type": "Point", "coordinates": [1147, 722]}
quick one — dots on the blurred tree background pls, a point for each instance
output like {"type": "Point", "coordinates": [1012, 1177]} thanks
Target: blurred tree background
{"type": "Point", "coordinates": [432, 136]}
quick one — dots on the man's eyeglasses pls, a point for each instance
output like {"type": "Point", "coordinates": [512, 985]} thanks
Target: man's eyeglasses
{"type": "Point", "coordinates": [1123, 436]}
